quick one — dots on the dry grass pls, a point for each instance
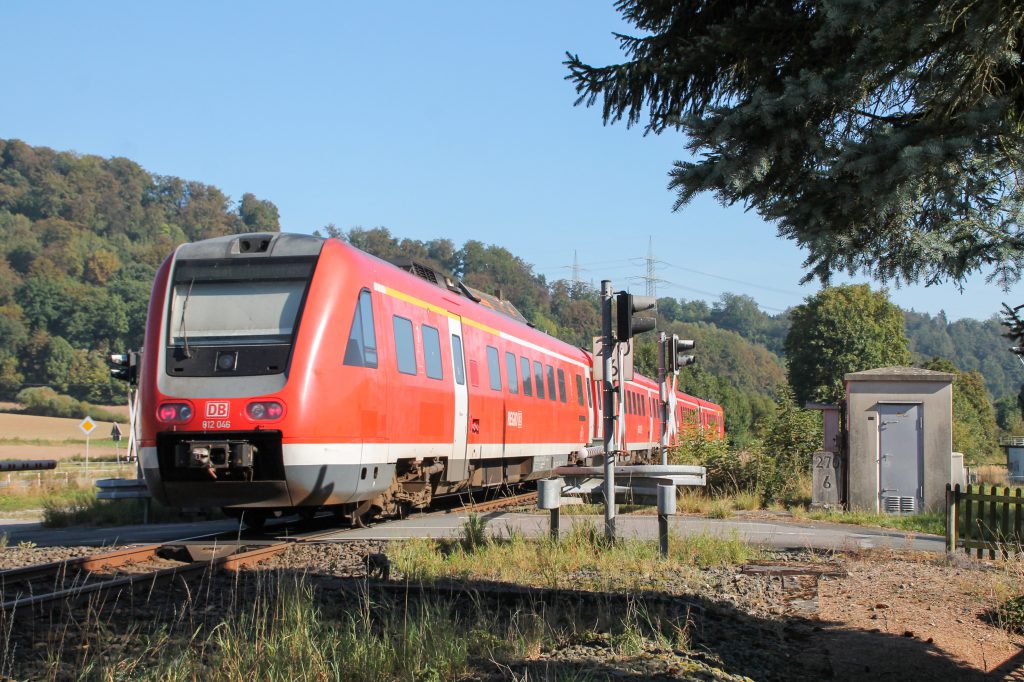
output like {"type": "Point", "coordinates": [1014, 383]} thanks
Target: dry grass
{"type": "Point", "coordinates": [929, 522]}
{"type": "Point", "coordinates": [992, 474]}
{"type": "Point", "coordinates": [282, 628]}
{"type": "Point", "coordinates": [581, 558]}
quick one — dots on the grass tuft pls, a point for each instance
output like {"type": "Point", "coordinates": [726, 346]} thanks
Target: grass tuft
{"type": "Point", "coordinates": [79, 506]}
{"type": "Point", "coordinates": [283, 635]}
{"type": "Point", "coordinates": [581, 558]}
{"type": "Point", "coordinates": [474, 532]}
{"type": "Point", "coordinates": [929, 522]}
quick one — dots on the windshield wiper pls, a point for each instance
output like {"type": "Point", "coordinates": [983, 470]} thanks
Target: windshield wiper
{"type": "Point", "coordinates": [184, 331]}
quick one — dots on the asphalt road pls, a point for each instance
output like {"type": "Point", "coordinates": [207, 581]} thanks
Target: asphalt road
{"type": "Point", "coordinates": [767, 533]}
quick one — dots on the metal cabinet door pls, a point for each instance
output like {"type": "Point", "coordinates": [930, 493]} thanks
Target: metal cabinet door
{"type": "Point", "coordinates": [901, 458]}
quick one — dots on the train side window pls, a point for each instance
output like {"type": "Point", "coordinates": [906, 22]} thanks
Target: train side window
{"type": "Point", "coordinates": [579, 390]}
{"type": "Point", "coordinates": [551, 382]}
{"type": "Point", "coordinates": [538, 378]}
{"type": "Point", "coordinates": [405, 349]}
{"type": "Point", "coordinates": [590, 399]}
{"type": "Point", "coordinates": [561, 385]}
{"type": "Point", "coordinates": [494, 368]}
{"type": "Point", "coordinates": [524, 365]}
{"type": "Point", "coordinates": [361, 350]}
{"type": "Point", "coordinates": [432, 352]}
{"type": "Point", "coordinates": [513, 374]}
{"type": "Point", "coordinates": [460, 370]}
{"type": "Point", "coordinates": [643, 407]}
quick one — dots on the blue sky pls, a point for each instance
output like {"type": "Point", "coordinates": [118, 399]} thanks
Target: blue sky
{"type": "Point", "coordinates": [445, 119]}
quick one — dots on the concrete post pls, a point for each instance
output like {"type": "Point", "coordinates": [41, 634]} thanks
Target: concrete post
{"type": "Point", "coordinates": [549, 496]}
{"type": "Point", "coordinates": [666, 508]}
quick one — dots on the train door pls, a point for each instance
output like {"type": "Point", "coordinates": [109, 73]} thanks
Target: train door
{"type": "Point", "coordinates": [457, 462]}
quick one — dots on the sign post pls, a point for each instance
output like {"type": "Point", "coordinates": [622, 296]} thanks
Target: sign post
{"type": "Point", "coordinates": [115, 435]}
{"type": "Point", "coordinates": [87, 426]}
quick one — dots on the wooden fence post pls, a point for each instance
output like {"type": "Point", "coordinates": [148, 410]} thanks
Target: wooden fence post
{"type": "Point", "coordinates": [1017, 525]}
{"type": "Point", "coordinates": [951, 516]}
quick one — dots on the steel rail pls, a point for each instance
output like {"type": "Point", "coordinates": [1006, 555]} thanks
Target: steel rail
{"type": "Point", "coordinates": [231, 562]}
{"type": "Point", "coordinates": [499, 503]}
{"type": "Point", "coordinates": [91, 562]}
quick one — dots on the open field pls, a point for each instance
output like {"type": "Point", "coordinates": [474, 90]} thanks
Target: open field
{"type": "Point", "coordinates": [30, 437]}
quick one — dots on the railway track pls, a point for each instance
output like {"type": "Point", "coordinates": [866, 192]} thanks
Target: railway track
{"type": "Point", "coordinates": [490, 505]}
{"type": "Point", "coordinates": [41, 586]}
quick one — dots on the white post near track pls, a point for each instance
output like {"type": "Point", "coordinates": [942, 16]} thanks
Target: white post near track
{"type": "Point", "coordinates": [609, 417]}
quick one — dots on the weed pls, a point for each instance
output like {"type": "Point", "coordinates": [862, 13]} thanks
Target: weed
{"type": "Point", "coordinates": [474, 532]}
{"type": "Point", "coordinates": [1010, 615]}
{"type": "Point", "coordinates": [720, 509]}
{"type": "Point", "coordinates": [581, 556]}
{"type": "Point", "coordinates": [77, 506]}
{"type": "Point", "coordinates": [746, 501]}
{"type": "Point", "coordinates": [928, 522]}
{"type": "Point", "coordinates": [690, 501]}
{"type": "Point", "coordinates": [26, 544]}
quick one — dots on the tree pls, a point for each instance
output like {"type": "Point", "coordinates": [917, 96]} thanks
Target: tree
{"type": "Point", "coordinates": [259, 215]}
{"type": "Point", "coordinates": [975, 431]}
{"type": "Point", "coordinates": [839, 330]}
{"type": "Point", "coordinates": [789, 438]}
{"type": "Point", "coordinates": [885, 137]}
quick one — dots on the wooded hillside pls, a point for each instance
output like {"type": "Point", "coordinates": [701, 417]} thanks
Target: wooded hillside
{"type": "Point", "coordinates": [80, 240]}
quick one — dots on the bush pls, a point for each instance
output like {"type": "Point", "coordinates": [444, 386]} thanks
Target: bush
{"type": "Point", "coordinates": [1010, 615]}
{"type": "Point", "coordinates": [46, 402]}
{"type": "Point", "coordinates": [772, 469]}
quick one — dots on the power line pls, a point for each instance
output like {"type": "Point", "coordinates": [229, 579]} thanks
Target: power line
{"type": "Point", "coordinates": [736, 281]}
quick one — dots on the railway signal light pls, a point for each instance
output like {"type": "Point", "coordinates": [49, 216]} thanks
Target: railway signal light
{"type": "Point", "coordinates": [677, 357]}
{"type": "Point", "coordinates": [126, 367]}
{"type": "Point", "coordinates": [626, 305]}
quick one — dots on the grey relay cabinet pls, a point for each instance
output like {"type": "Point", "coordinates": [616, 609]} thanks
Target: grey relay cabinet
{"type": "Point", "coordinates": [900, 426]}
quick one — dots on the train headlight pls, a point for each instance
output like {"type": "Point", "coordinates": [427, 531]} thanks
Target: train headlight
{"type": "Point", "coordinates": [265, 410]}
{"type": "Point", "coordinates": [174, 413]}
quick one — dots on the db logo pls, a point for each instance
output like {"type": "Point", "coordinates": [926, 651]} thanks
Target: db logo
{"type": "Point", "coordinates": [217, 410]}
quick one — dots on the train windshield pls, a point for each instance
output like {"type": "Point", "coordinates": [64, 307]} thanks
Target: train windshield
{"type": "Point", "coordinates": [232, 302]}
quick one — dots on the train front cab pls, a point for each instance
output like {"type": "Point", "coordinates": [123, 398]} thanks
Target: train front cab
{"type": "Point", "coordinates": [220, 335]}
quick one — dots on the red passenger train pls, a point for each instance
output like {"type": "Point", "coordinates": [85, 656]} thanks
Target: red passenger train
{"type": "Point", "coordinates": [288, 372]}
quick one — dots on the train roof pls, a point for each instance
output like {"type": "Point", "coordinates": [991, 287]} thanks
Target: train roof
{"type": "Point", "coordinates": [253, 245]}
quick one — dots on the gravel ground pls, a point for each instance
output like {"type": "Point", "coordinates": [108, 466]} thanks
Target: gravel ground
{"type": "Point", "coordinates": [17, 556]}
{"type": "Point", "coordinates": [890, 616]}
